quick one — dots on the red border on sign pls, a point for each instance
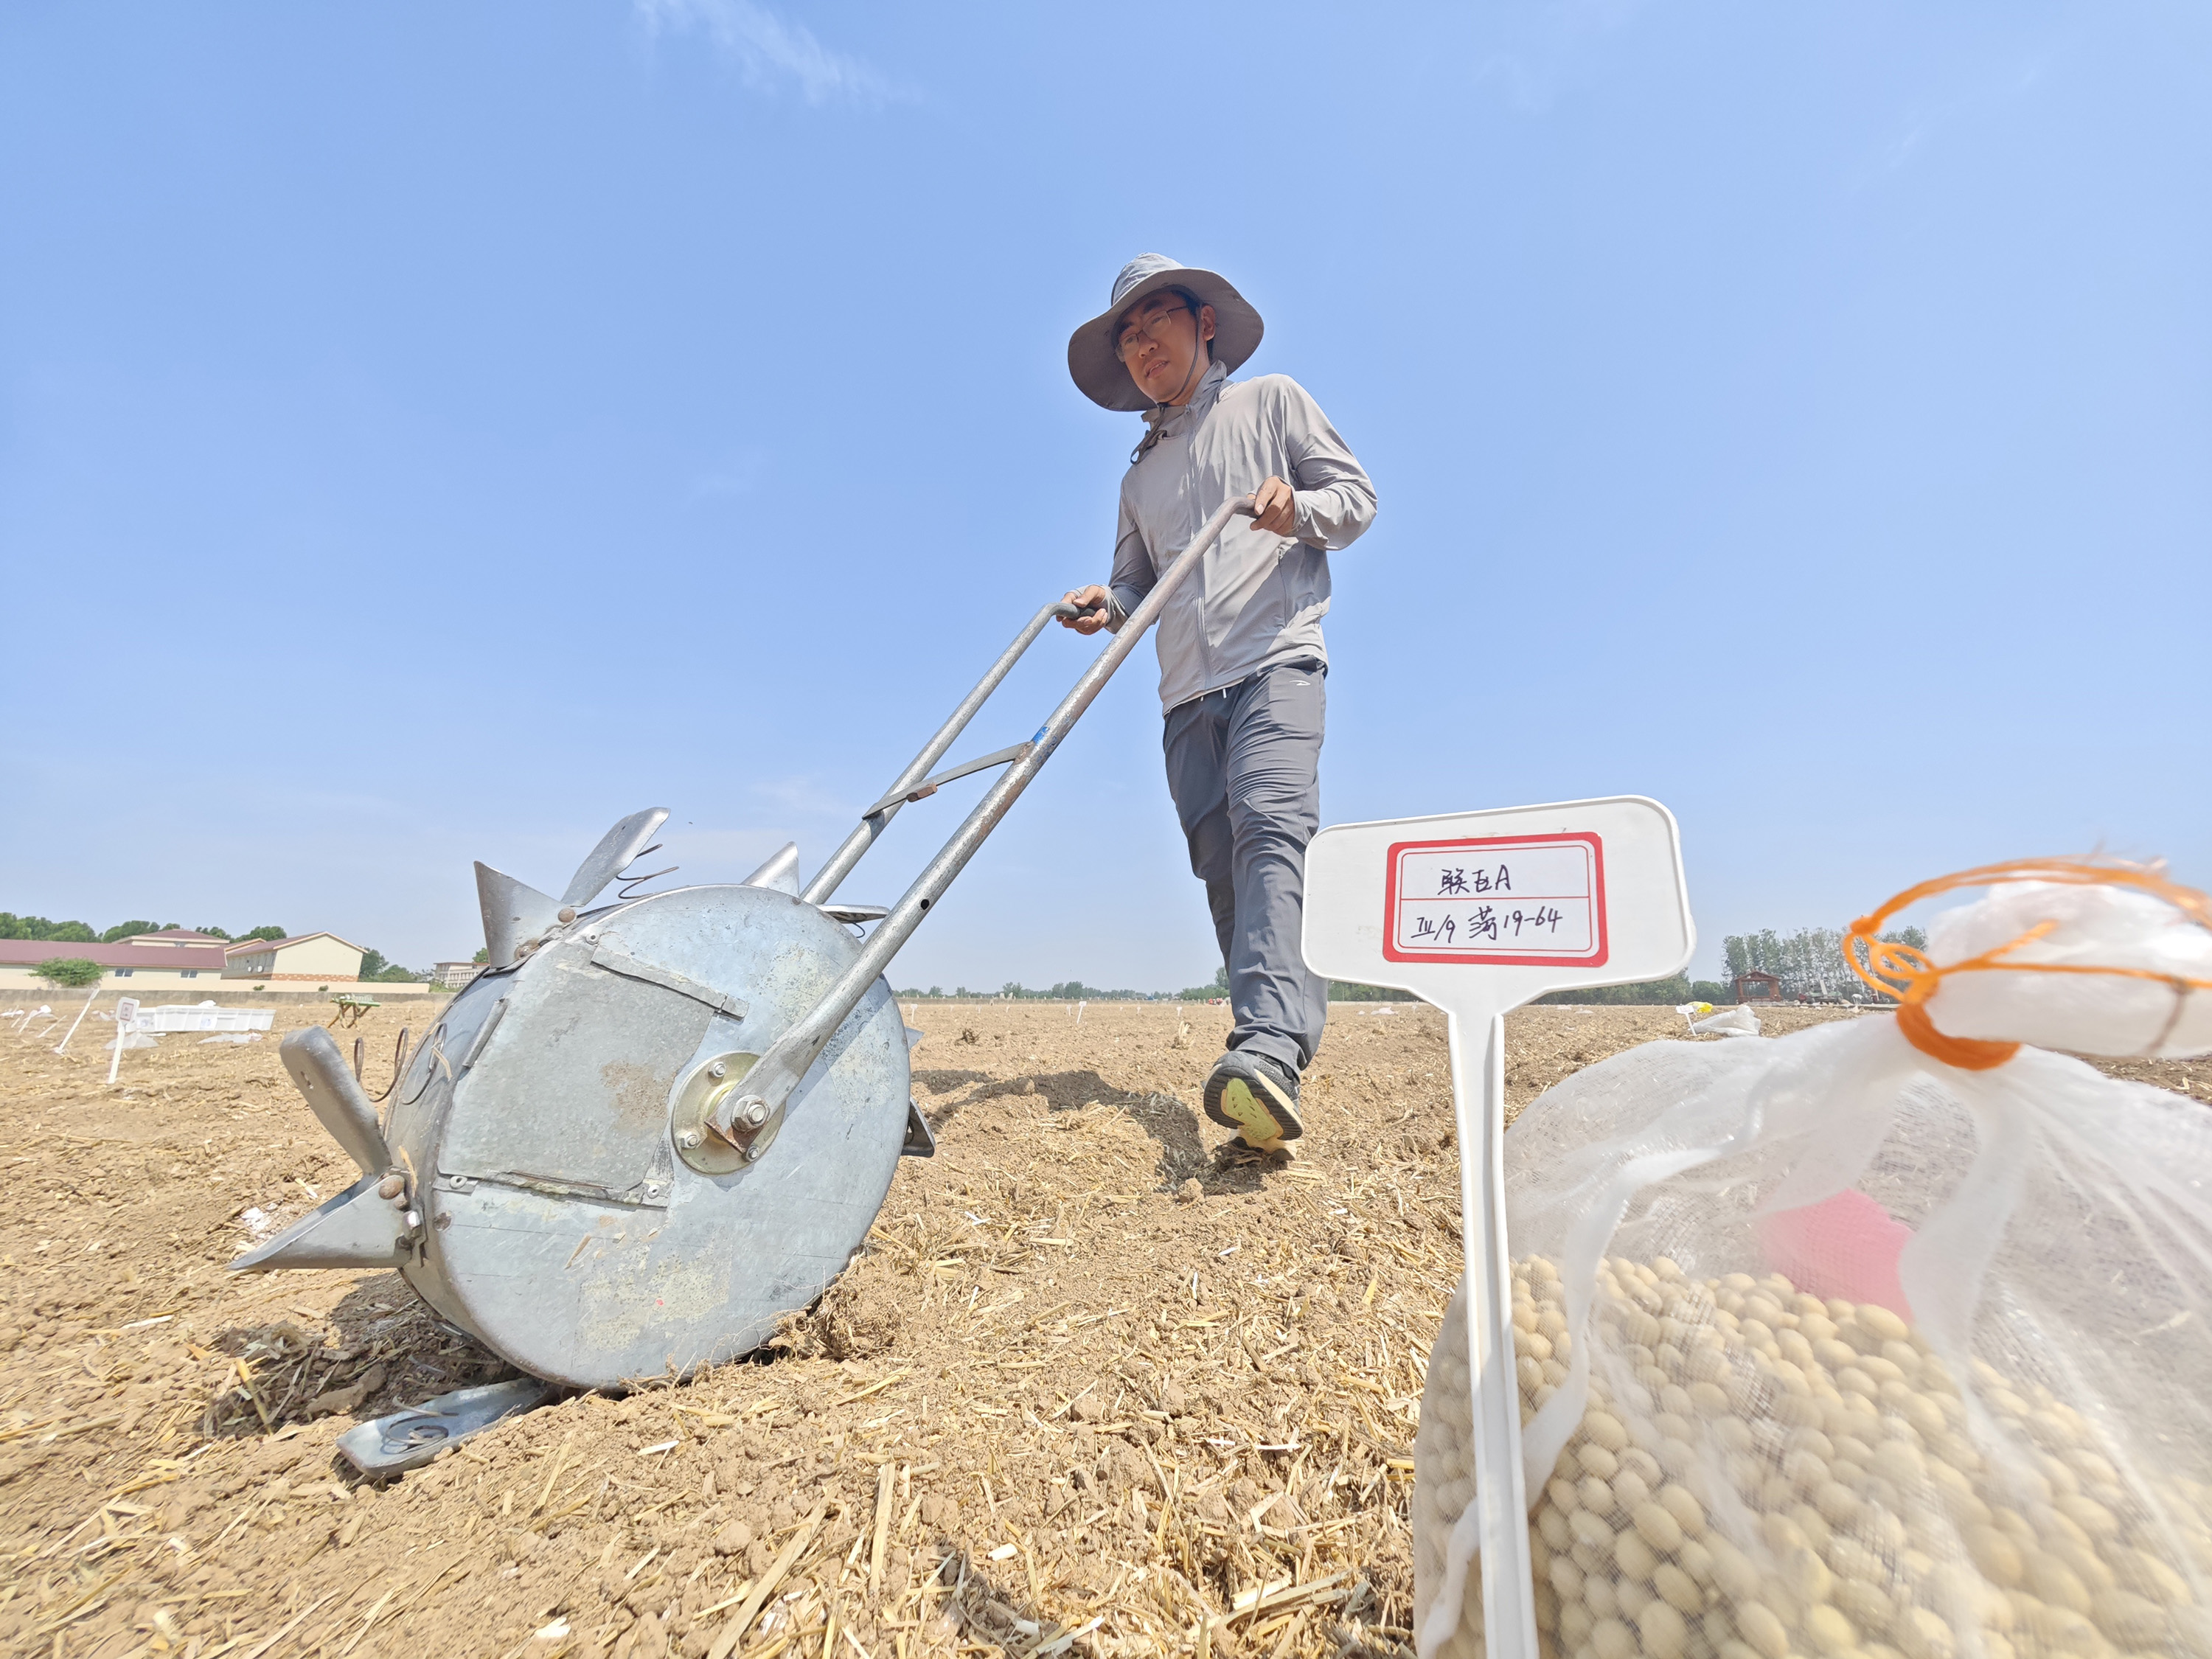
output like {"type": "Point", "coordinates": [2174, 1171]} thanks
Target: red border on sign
{"type": "Point", "coordinates": [1392, 953]}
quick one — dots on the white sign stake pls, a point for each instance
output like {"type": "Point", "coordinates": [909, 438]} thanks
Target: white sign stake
{"type": "Point", "coordinates": [62, 1046]}
{"type": "Point", "coordinates": [126, 1021]}
{"type": "Point", "coordinates": [1478, 913]}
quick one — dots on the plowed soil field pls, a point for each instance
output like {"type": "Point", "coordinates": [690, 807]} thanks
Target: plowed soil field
{"type": "Point", "coordinates": [1099, 1386]}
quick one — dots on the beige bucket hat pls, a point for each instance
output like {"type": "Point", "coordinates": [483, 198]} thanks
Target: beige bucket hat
{"type": "Point", "coordinates": [1090, 357]}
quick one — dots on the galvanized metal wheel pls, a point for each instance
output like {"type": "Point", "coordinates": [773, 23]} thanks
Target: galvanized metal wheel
{"type": "Point", "coordinates": [560, 1220]}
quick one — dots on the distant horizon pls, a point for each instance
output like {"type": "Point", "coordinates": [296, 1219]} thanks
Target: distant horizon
{"type": "Point", "coordinates": [1048, 993]}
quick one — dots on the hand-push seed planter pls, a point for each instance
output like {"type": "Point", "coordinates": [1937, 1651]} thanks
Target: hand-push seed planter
{"type": "Point", "coordinates": [651, 1128]}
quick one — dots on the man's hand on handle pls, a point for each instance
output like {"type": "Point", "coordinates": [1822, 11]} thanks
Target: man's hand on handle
{"type": "Point", "coordinates": [1097, 605]}
{"type": "Point", "coordinates": [1274, 508]}
{"type": "Point", "coordinates": [1271, 507]}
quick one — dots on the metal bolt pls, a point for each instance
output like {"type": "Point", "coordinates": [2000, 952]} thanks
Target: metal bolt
{"type": "Point", "coordinates": [718, 1070]}
{"type": "Point", "coordinates": [414, 1218]}
{"type": "Point", "coordinates": [390, 1187]}
{"type": "Point", "coordinates": [688, 1139]}
{"type": "Point", "coordinates": [567, 912]}
{"type": "Point", "coordinates": [755, 1113]}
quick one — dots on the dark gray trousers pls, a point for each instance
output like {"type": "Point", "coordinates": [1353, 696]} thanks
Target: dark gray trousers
{"type": "Point", "coordinates": [1243, 766]}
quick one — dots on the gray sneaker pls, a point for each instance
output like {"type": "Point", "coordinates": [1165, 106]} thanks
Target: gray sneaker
{"type": "Point", "coordinates": [1257, 1097]}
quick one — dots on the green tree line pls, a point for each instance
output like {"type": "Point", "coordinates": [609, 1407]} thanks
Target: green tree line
{"type": "Point", "coordinates": [1072, 990]}
{"type": "Point", "coordinates": [1809, 962]}
{"type": "Point", "coordinates": [78, 933]}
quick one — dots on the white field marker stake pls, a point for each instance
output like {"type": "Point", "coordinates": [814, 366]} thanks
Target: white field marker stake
{"type": "Point", "coordinates": [1478, 913]}
{"type": "Point", "coordinates": [62, 1046]}
{"type": "Point", "coordinates": [126, 1021]}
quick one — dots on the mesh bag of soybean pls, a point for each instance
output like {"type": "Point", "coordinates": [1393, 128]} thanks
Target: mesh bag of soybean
{"type": "Point", "coordinates": [1891, 1338]}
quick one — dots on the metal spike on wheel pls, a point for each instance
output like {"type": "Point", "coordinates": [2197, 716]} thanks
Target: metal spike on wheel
{"type": "Point", "coordinates": [781, 873]}
{"type": "Point", "coordinates": [625, 842]}
{"type": "Point", "coordinates": [514, 913]}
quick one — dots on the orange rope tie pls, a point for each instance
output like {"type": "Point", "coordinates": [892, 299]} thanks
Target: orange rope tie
{"type": "Point", "coordinates": [1922, 978]}
{"type": "Point", "coordinates": [1968, 1053]}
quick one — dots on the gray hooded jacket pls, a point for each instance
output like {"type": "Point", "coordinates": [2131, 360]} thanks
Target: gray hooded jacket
{"type": "Point", "coordinates": [1259, 599]}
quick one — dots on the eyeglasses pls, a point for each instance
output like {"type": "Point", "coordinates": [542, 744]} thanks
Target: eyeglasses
{"type": "Point", "coordinates": [1154, 327]}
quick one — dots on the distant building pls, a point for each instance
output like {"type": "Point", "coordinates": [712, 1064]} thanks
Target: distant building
{"type": "Point", "coordinates": [173, 938]}
{"type": "Point", "coordinates": [320, 960]}
{"type": "Point", "coordinates": [1755, 987]}
{"type": "Point", "coordinates": [171, 957]}
{"type": "Point", "coordinates": [452, 975]}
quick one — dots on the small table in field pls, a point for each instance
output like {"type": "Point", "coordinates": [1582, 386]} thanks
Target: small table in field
{"type": "Point", "coordinates": [351, 1008]}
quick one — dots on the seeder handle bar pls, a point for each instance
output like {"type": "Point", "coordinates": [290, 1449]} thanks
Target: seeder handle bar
{"type": "Point", "coordinates": [936, 780]}
{"type": "Point", "coordinates": [751, 1120]}
{"type": "Point", "coordinates": [874, 820]}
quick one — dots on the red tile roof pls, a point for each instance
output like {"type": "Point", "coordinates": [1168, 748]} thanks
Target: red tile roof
{"type": "Point", "coordinates": [29, 952]}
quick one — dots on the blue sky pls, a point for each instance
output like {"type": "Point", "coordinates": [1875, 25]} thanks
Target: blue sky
{"type": "Point", "coordinates": [427, 433]}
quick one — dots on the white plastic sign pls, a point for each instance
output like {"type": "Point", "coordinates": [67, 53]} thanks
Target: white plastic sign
{"type": "Point", "coordinates": [126, 1020]}
{"type": "Point", "coordinates": [1478, 913]}
{"type": "Point", "coordinates": [1530, 899]}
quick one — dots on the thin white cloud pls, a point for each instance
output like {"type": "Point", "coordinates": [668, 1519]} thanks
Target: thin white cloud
{"type": "Point", "coordinates": [1977, 95]}
{"type": "Point", "coordinates": [1529, 53]}
{"type": "Point", "coordinates": [770, 53]}
{"type": "Point", "coordinates": [802, 793]}
{"type": "Point", "coordinates": [737, 477]}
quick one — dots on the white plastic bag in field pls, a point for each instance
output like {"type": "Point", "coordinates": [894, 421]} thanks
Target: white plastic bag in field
{"type": "Point", "coordinates": [1738, 1021]}
{"type": "Point", "coordinates": [1832, 1348]}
